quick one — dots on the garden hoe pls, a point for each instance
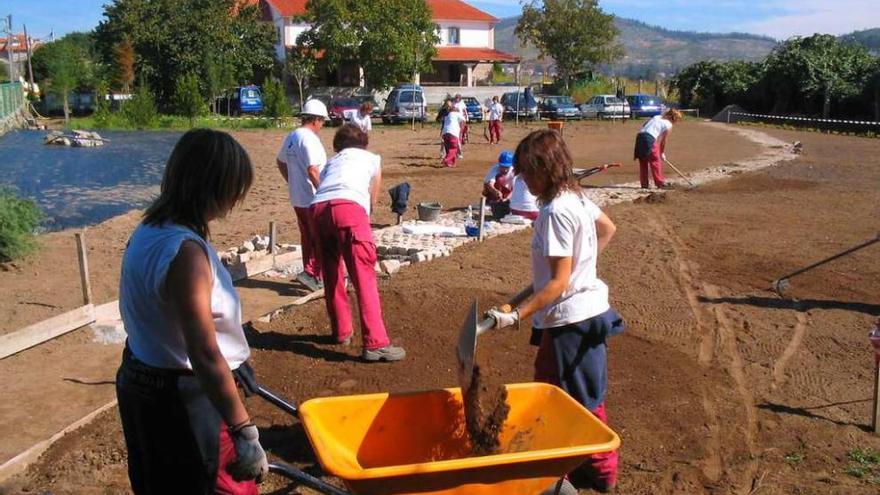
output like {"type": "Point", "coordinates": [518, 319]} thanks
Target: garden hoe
{"type": "Point", "coordinates": [679, 173]}
{"type": "Point", "coordinates": [470, 330]}
{"type": "Point", "coordinates": [780, 284]}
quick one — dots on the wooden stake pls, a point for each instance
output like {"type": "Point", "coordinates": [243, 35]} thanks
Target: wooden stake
{"type": "Point", "coordinates": [482, 217]}
{"type": "Point", "coordinates": [875, 422]}
{"type": "Point", "coordinates": [272, 238]}
{"type": "Point", "coordinates": [82, 255]}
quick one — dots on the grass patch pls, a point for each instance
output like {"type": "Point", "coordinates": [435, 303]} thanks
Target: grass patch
{"type": "Point", "coordinates": [19, 218]}
{"type": "Point", "coordinates": [794, 458]}
{"type": "Point", "coordinates": [118, 122]}
{"type": "Point", "coordinates": [864, 464]}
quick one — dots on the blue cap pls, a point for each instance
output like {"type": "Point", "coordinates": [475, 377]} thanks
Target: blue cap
{"type": "Point", "coordinates": [505, 159]}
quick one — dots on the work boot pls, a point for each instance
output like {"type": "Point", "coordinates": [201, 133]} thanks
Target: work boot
{"type": "Point", "coordinates": [566, 488]}
{"type": "Point", "coordinates": [387, 353]}
{"type": "Point", "coordinates": [311, 282]}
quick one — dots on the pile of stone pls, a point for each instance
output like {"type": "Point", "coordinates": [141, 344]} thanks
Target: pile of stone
{"type": "Point", "coordinates": [79, 138]}
{"type": "Point", "coordinates": [256, 247]}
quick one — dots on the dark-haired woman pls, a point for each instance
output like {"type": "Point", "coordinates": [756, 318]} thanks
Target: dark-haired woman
{"type": "Point", "coordinates": [185, 426]}
{"type": "Point", "coordinates": [349, 189]}
{"type": "Point", "coordinates": [570, 313]}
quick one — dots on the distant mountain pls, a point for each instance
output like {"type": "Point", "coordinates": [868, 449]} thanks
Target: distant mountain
{"type": "Point", "coordinates": [651, 49]}
{"type": "Point", "coordinates": [869, 38]}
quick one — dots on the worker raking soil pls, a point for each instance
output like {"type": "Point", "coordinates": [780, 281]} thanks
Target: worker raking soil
{"type": "Point", "coordinates": [485, 411]}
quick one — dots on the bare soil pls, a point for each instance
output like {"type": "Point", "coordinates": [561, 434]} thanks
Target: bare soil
{"type": "Point", "coordinates": [485, 411]}
{"type": "Point", "coordinates": [717, 386]}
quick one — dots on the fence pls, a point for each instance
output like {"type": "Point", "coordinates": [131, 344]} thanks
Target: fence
{"type": "Point", "coordinates": [807, 122]}
{"type": "Point", "coordinates": [11, 99]}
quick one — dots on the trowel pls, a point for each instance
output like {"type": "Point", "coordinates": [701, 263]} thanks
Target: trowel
{"type": "Point", "coordinates": [470, 330]}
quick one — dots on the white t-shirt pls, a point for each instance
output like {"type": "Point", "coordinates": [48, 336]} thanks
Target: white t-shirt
{"type": "Point", "coordinates": [452, 123]}
{"type": "Point", "coordinates": [656, 126]}
{"type": "Point", "coordinates": [301, 149]}
{"type": "Point", "coordinates": [521, 198]}
{"type": "Point", "coordinates": [348, 175]}
{"type": "Point", "coordinates": [462, 109]}
{"type": "Point", "coordinates": [493, 173]}
{"type": "Point", "coordinates": [155, 335]}
{"type": "Point", "coordinates": [567, 227]}
{"type": "Point", "coordinates": [496, 111]}
{"type": "Point", "coordinates": [365, 123]}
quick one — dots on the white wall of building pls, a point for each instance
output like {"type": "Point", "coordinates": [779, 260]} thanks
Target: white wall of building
{"type": "Point", "coordinates": [471, 34]}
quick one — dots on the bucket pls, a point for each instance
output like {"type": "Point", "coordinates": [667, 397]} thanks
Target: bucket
{"type": "Point", "coordinates": [500, 209]}
{"type": "Point", "coordinates": [556, 125]}
{"type": "Point", "coordinates": [429, 212]}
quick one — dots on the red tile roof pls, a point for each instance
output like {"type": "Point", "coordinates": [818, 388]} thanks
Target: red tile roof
{"type": "Point", "coordinates": [441, 10]}
{"type": "Point", "coordinates": [466, 54]}
{"type": "Point", "coordinates": [18, 45]}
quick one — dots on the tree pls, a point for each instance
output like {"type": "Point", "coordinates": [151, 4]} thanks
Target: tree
{"type": "Point", "coordinates": [220, 77]}
{"type": "Point", "coordinates": [577, 34]}
{"type": "Point", "coordinates": [123, 58]}
{"type": "Point", "coordinates": [274, 100]}
{"type": "Point", "coordinates": [188, 100]}
{"type": "Point", "coordinates": [101, 115]}
{"type": "Point", "coordinates": [711, 84]}
{"type": "Point", "coordinates": [300, 65]}
{"type": "Point", "coordinates": [141, 111]}
{"type": "Point", "coordinates": [357, 31]}
{"type": "Point", "coordinates": [66, 65]}
{"type": "Point", "coordinates": [172, 38]}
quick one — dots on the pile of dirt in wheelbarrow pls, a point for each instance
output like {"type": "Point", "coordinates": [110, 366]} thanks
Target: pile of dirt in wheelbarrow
{"type": "Point", "coordinates": [485, 411]}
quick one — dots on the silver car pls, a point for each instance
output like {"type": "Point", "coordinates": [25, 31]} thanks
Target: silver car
{"type": "Point", "coordinates": [605, 107]}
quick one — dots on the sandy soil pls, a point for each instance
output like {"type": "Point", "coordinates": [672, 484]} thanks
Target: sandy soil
{"type": "Point", "coordinates": [717, 386]}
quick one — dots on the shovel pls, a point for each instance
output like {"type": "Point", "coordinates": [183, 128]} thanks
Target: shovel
{"type": "Point", "coordinates": [470, 330]}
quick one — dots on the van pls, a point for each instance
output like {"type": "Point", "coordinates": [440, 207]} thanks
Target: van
{"type": "Point", "coordinates": [403, 103]}
{"type": "Point", "coordinates": [645, 105]}
{"type": "Point", "coordinates": [243, 99]}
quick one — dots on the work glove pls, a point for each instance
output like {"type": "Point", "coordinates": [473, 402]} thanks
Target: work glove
{"type": "Point", "coordinates": [250, 462]}
{"type": "Point", "coordinates": [663, 156]}
{"type": "Point", "coordinates": [502, 319]}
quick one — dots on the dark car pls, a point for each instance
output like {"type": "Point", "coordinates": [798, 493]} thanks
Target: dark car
{"type": "Point", "coordinates": [377, 112]}
{"type": "Point", "coordinates": [474, 109]}
{"type": "Point", "coordinates": [559, 108]}
{"type": "Point", "coordinates": [338, 107]}
{"type": "Point", "coordinates": [645, 105]}
{"type": "Point", "coordinates": [519, 103]}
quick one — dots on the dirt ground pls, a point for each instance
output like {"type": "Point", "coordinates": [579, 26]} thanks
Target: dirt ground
{"type": "Point", "coordinates": [717, 386]}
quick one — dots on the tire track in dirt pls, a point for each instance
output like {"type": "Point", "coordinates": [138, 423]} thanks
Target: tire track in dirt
{"type": "Point", "coordinates": [724, 332]}
{"type": "Point", "coordinates": [793, 346]}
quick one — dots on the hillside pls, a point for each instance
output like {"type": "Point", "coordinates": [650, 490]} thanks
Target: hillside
{"type": "Point", "coordinates": [869, 38]}
{"type": "Point", "coordinates": [651, 49]}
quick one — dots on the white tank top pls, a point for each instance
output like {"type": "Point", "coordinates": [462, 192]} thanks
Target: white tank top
{"type": "Point", "coordinates": [154, 334]}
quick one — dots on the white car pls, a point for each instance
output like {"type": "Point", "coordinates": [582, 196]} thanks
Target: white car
{"type": "Point", "coordinates": [605, 107]}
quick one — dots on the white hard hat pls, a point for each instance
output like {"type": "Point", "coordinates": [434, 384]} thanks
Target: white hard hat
{"type": "Point", "coordinates": [315, 107]}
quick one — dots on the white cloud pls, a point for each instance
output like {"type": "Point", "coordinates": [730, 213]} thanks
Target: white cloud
{"type": "Point", "coordinates": [806, 17]}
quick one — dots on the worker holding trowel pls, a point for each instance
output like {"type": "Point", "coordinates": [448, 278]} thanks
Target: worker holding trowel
{"type": "Point", "coordinates": [498, 183]}
{"type": "Point", "coordinates": [569, 309]}
{"type": "Point", "coordinates": [650, 148]}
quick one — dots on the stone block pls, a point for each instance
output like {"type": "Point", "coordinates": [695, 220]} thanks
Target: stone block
{"type": "Point", "coordinates": [389, 266]}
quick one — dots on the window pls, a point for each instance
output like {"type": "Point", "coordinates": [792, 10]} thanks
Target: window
{"type": "Point", "coordinates": [453, 36]}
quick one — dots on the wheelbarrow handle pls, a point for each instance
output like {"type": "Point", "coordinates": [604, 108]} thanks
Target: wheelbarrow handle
{"type": "Point", "coordinates": [246, 379]}
{"type": "Point", "coordinates": [306, 479]}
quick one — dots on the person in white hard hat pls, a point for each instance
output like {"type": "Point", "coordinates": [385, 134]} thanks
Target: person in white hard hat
{"type": "Point", "coordinates": [300, 161]}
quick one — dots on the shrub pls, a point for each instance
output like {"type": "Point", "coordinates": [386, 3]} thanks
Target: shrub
{"type": "Point", "coordinates": [275, 103]}
{"type": "Point", "coordinates": [18, 219]}
{"type": "Point", "coordinates": [188, 98]}
{"type": "Point", "coordinates": [101, 115]}
{"type": "Point", "coordinates": [141, 111]}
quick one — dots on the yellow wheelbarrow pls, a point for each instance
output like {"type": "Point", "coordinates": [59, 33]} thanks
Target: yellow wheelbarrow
{"type": "Point", "coordinates": [416, 443]}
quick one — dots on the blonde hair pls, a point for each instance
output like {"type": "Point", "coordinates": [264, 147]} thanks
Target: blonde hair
{"type": "Point", "coordinates": [673, 115]}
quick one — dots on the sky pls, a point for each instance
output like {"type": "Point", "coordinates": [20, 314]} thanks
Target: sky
{"type": "Point", "coordinates": [776, 18]}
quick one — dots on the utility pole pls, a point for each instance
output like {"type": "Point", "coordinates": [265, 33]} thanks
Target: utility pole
{"type": "Point", "coordinates": [8, 29]}
{"type": "Point", "coordinates": [27, 44]}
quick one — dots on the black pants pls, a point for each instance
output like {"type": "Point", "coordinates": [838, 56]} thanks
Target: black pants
{"type": "Point", "coordinates": [171, 429]}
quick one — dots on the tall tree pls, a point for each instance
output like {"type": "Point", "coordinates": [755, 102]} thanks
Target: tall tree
{"type": "Point", "coordinates": [356, 31]}
{"type": "Point", "coordinates": [300, 64]}
{"type": "Point", "coordinates": [172, 38]}
{"type": "Point", "coordinates": [123, 58]}
{"type": "Point", "coordinates": [577, 34]}
{"type": "Point", "coordinates": [66, 65]}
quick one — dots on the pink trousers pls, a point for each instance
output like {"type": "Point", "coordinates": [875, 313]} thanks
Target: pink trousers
{"type": "Point", "coordinates": [602, 467]}
{"type": "Point", "coordinates": [308, 238]}
{"type": "Point", "coordinates": [452, 145]}
{"type": "Point", "coordinates": [346, 241]}
{"type": "Point", "coordinates": [655, 163]}
{"type": "Point", "coordinates": [494, 131]}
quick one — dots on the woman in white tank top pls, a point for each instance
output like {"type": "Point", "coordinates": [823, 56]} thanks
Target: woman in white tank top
{"type": "Point", "coordinates": [186, 429]}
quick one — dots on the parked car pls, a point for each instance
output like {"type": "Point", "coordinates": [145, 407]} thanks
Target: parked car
{"type": "Point", "coordinates": [404, 102]}
{"type": "Point", "coordinates": [474, 109]}
{"type": "Point", "coordinates": [519, 103]}
{"type": "Point", "coordinates": [645, 105]}
{"type": "Point", "coordinates": [243, 99]}
{"type": "Point", "coordinates": [605, 107]}
{"type": "Point", "coordinates": [338, 107]}
{"type": "Point", "coordinates": [377, 110]}
{"type": "Point", "coordinates": [559, 108]}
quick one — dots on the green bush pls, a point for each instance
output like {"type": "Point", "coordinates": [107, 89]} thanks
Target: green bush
{"type": "Point", "coordinates": [188, 99]}
{"type": "Point", "coordinates": [18, 219]}
{"type": "Point", "coordinates": [275, 103]}
{"type": "Point", "coordinates": [141, 111]}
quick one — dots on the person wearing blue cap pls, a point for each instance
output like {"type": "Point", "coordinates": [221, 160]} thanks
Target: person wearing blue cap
{"type": "Point", "coordinates": [498, 184]}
